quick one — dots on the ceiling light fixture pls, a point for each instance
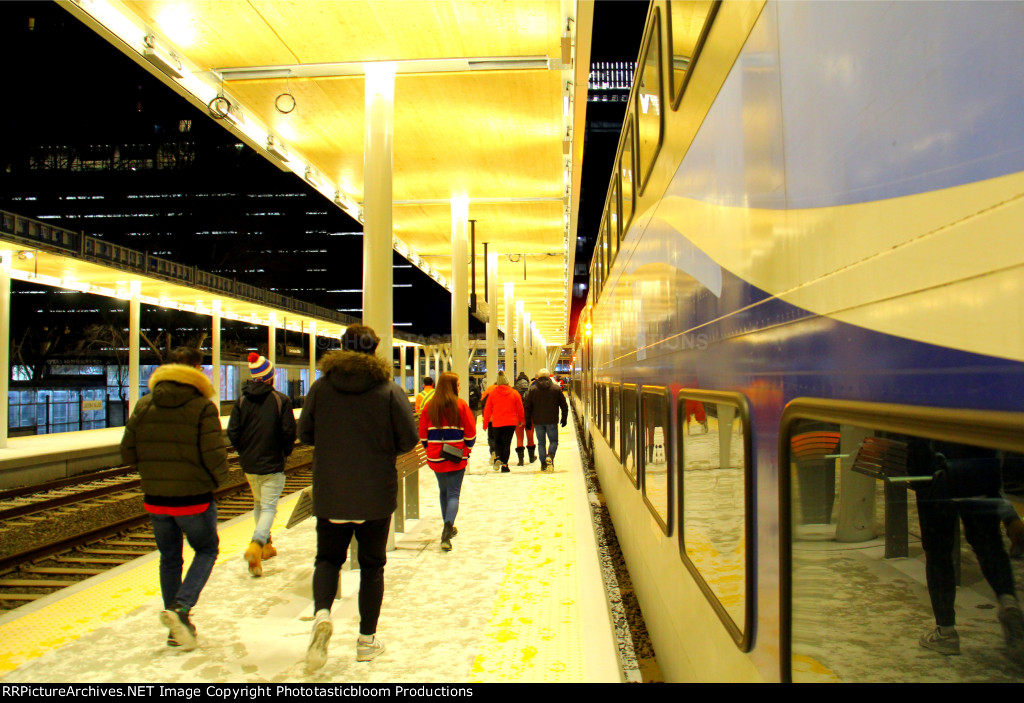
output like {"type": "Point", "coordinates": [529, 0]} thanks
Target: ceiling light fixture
{"type": "Point", "coordinates": [169, 64]}
{"type": "Point", "coordinates": [276, 148]}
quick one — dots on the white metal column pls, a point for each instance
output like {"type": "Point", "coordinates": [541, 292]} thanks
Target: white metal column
{"type": "Point", "coordinates": [134, 332]}
{"type": "Point", "coordinates": [520, 340]}
{"type": "Point", "coordinates": [460, 292]}
{"type": "Point", "coordinates": [378, 305]}
{"type": "Point", "coordinates": [5, 340]}
{"type": "Point", "coordinates": [272, 344]}
{"type": "Point", "coordinates": [528, 365]}
{"type": "Point", "coordinates": [510, 330]}
{"type": "Point", "coordinates": [416, 370]}
{"type": "Point", "coordinates": [312, 355]}
{"type": "Point", "coordinates": [402, 349]}
{"type": "Point", "coordinates": [492, 317]}
{"type": "Point", "coordinates": [215, 352]}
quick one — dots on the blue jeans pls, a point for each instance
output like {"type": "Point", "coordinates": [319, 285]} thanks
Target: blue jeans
{"type": "Point", "coordinates": [545, 434]}
{"type": "Point", "coordinates": [450, 485]}
{"type": "Point", "coordinates": [201, 532]}
{"type": "Point", "coordinates": [266, 490]}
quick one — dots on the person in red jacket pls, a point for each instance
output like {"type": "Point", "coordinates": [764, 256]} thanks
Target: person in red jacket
{"type": "Point", "coordinates": [503, 412]}
{"type": "Point", "coordinates": [448, 432]}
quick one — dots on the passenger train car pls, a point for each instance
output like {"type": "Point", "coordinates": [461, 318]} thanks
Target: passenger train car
{"type": "Point", "coordinates": [802, 356]}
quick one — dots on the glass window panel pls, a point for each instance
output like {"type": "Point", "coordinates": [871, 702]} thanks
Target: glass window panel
{"type": "Point", "coordinates": [649, 103]}
{"type": "Point", "coordinates": [614, 419]}
{"type": "Point", "coordinates": [626, 177]}
{"type": "Point", "coordinates": [714, 462]}
{"type": "Point", "coordinates": [627, 438]}
{"type": "Point", "coordinates": [687, 22]}
{"type": "Point", "coordinates": [894, 534]}
{"type": "Point", "coordinates": [657, 455]}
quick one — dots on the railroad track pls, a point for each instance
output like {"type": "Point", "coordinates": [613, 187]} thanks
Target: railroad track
{"type": "Point", "coordinates": [60, 563]}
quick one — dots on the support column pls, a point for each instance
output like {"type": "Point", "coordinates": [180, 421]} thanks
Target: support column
{"type": "Point", "coordinates": [378, 291]}
{"type": "Point", "coordinates": [520, 340]}
{"type": "Point", "coordinates": [510, 330]}
{"type": "Point", "coordinates": [460, 292]}
{"type": "Point", "coordinates": [312, 355]}
{"type": "Point", "coordinates": [416, 370]}
{"type": "Point", "coordinates": [401, 366]}
{"type": "Point", "coordinates": [134, 333]}
{"type": "Point", "coordinates": [272, 345]}
{"type": "Point", "coordinates": [528, 365]}
{"type": "Point", "coordinates": [5, 341]}
{"type": "Point", "coordinates": [215, 352]}
{"type": "Point", "coordinates": [492, 318]}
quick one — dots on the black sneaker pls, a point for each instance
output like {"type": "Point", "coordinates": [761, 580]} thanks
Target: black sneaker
{"type": "Point", "coordinates": [183, 632]}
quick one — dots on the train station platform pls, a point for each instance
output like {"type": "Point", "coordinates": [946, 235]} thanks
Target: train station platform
{"type": "Point", "coordinates": [520, 598]}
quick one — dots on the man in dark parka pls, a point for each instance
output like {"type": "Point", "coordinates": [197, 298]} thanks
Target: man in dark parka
{"type": "Point", "coordinates": [358, 420]}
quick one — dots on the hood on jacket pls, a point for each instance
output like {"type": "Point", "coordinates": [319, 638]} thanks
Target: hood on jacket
{"type": "Point", "coordinates": [185, 381]}
{"type": "Point", "coordinates": [256, 389]}
{"type": "Point", "coordinates": [355, 372]}
{"type": "Point", "coordinates": [544, 382]}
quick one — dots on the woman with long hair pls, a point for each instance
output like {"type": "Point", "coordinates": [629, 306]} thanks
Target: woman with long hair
{"type": "Point", "coordinates": [448, 432]}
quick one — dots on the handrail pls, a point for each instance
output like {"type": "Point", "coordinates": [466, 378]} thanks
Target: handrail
{"type": "Point", "coordinates": [57, 240]}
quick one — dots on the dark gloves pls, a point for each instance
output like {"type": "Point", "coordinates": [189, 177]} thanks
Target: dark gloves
{"type": "Point", "coordinates": [563, 422]}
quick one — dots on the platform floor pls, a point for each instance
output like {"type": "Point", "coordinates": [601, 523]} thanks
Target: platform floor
{"type": "Point", "coordinates": [519, 598]}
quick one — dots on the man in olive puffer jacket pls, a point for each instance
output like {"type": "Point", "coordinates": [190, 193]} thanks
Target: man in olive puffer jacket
{"type": "Point", "coordinates": [174, 439]}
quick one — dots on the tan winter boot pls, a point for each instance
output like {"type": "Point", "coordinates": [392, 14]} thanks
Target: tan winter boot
{"type": "Point", "coordinates": [269, 550]}
{"type": "Point", "coordinates": [253, 555]}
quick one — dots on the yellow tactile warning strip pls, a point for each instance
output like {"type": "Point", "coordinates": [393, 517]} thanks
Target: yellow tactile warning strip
{"type": "Point", "coordinates": [534, 634]}
{"type": "Point", "coordinates": [111, 596]}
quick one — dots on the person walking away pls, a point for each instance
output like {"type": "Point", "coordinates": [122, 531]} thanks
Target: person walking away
{"type": "Point", "coordinates": [448, 432]}
{"type": "Point", "coordinates": [523, 387]}
{"type": "Point", "coordinates": [359, 420]}
{"type": "Point", "coordinates": [262, 429]}
{"type": "Point", "coordinates": [503, 413]}
{"type": "Point", "coordinates": [425, 395]}
{"type": "Point", "coordinates": [543, 403]}
{"type": "Point", "coordinates": [492, 445]}
{"type": "Point", "coordinates": [173, 438]}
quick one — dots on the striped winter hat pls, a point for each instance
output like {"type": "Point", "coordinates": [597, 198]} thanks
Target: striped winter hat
{"type": "Point", "coordinates": [260, 367]}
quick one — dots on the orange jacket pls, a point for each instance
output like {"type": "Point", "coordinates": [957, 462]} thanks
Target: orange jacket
{"type": "Point", "coordinates": [504, 408]}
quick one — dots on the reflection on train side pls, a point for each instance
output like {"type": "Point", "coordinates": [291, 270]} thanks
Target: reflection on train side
{"type": "Point", "coordinates": [713, 501]}
{"type": "Point", "coordinates": [886, 584]}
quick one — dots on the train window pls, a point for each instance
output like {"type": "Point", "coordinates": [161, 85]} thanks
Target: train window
{"type": "Point", "coordinates": [628, 435]}
{"type": "Point", "coordinates": [715, 498]}
{"type": "Point", "coordinates": [614, 396]}
{"type": "Point", "coordinates": [893, 547]}
{"type": "Point", "coordinates": [649, 103]}
{"type": "Point", "coordinates": [688, 25]}
{"type": "Point", "coordinates": [626, 177]}
{"type": "Point", "coordinates": [613, 218]}
{"type": "Point", "coordinates": [599, 400]}
{"type": "Point", "coordinates": [656, 457]}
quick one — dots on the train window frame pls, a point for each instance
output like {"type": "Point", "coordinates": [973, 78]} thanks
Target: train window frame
{"type": "Point", "coordinates": [653, 39]}
{"type": "Point", "coordinates": [614, 217]}
{"type": "Point", "coordinates": [664, 393]}
{"type": "Point", "coordinates": [634, 477]}
{"type": "Point", "coordinates": [990, 429]}
{"type": "Point", "coordinates": [614, 416]}
{"type": "Point", "coordinates": [743, 635]}
{"type": "Point", "coordinates": [599, 400]}
{"type": "Point", "coordinates": [677, 92]}
{"type": "Point", "coordinates": [628, 148]}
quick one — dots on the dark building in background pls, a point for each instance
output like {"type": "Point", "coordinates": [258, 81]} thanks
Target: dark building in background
{"type": "Point", "coordinates": [121, 157]}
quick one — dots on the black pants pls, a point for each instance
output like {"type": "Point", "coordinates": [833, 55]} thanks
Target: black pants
{"type": "Point", "coordinates": [967, 490]}
{"type": "Point", "coordinates": [503, 441]}
{"type": "Point", "coordinates": [332, 542]}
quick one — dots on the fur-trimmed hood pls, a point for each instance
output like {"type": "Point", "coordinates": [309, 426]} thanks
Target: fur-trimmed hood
{"type": "Point", "coordinates": [174, 394]}
{"type": "Point", "coordinates": [355, 372]}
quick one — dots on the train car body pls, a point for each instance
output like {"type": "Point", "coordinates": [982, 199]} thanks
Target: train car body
{"type": "Point", "coordinates": [812, 237]}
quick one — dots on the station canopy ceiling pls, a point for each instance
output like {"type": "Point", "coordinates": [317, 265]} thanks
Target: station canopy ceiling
{"type": "Point", "coordinates": [489, 104]}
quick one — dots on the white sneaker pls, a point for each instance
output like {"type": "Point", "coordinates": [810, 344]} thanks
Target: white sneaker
{"type": "Point", "coordinates": [316, 653]}
{"type": "Point", "coordinates": [366, 651]}
{"type": "Point", "coordinates": [549, 465]}
{"type": "Point", "coordinates": [497, 465]}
